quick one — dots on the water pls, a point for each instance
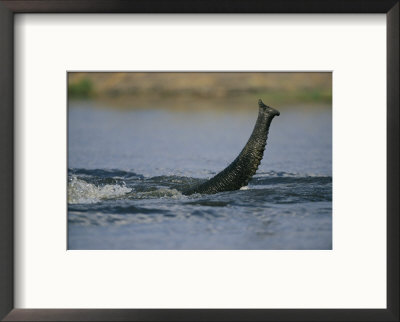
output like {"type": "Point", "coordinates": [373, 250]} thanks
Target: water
{"type": "Point", "coordinates": [126, 170]}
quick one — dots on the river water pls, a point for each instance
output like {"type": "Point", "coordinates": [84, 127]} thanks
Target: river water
{"type": "Point", "coordinates": [126, 168]}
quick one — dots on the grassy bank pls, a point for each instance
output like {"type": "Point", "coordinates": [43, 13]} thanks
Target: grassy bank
{"type": "Point", "coordinates": [142, 89]}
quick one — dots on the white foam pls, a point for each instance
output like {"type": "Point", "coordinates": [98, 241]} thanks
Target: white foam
{"type": "Point", "coordinates": [80, 191]}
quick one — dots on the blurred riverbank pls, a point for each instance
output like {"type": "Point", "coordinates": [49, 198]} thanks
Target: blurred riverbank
{"type": "Point", "coordinates": [201, 90]}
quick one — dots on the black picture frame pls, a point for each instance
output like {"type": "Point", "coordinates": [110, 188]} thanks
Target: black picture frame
{"type": "Point", "coordinates": [8, 8]}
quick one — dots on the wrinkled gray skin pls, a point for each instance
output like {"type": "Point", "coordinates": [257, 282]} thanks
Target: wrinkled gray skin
{"type": "Point", "coordinates": [241, 170]}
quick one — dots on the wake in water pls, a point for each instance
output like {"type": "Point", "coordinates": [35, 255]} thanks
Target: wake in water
{"type": "Point", "coordinates": [93, 186]}
{"type": "Point", "coordinates": [81, 191]}
{"type": "Point", "coordinates": [276, 210]}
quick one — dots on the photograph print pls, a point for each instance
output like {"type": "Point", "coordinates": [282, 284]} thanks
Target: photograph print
{"type": "Point", "coordinates": [199, 160]}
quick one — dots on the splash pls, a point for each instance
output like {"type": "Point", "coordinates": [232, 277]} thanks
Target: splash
{"type": "Point", "coordinates": [80, 191]}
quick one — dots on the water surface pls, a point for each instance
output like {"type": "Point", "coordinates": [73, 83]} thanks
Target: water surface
{"type": "Point", "coordinates": [126, 169]}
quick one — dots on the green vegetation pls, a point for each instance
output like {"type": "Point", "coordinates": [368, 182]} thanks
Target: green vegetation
{"type": "Point", "coordinates": [200, 90]}
{"type": "Point", "coordinates": [83, 88]}
{"type": "Point", "coordinates": [304, 96]}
